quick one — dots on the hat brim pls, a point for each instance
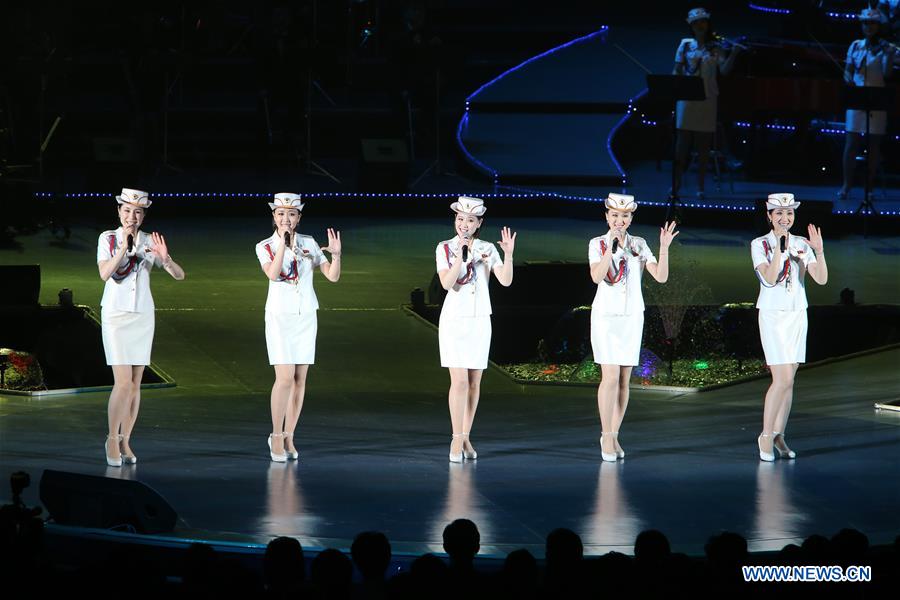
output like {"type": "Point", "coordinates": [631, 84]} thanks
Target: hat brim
{"type": "Point", "coordinates": [120, 200]}
{"type": "Point", "coordinates": [698, 18]}
{"type": "Point", "coordinates": [274, 206]}
{"type": "Point", "coordinates": [456, 208]}
{"type": "Point", "coordinates": [627, 209]}
{"type": "Point", "coordinates": [770, 206]}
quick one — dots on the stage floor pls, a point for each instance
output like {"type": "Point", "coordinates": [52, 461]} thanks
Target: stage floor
{"type": "Point", "coordinates": [374, 434]}
{"type": "Point", "coordinates": [374, 443]}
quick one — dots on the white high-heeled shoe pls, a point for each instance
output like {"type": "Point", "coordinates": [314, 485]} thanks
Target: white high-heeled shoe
{"type": "Point", "coordinates": [766, 456]}
{"type": "Point", "coordinates": [276, 457]}
{"type": "Point", "coordinates": [458, 457]}
{"type": "Point", "coordinates": [291, 455]}
{"type": "Point", "coordinates": [468, 455]}
{"type": "Point", "coordinates": [113, 462]}
{"type": "Point", "coordinates": [620, 453]}
{"type": "Point", "coordinates": [128, 459]}
{"type": "Point", "coordinates": [607, 456]}
{"type": "Point", "coordinates": [787, 452]}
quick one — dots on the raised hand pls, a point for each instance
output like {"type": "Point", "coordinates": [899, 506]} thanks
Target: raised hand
{"type": "Point", "coordinates": [159, 248]}
{"type": "Point", "coordinates": [334, 242]}
{"type": "Point", "coordinates": [667, 233]}
{"type": "Point", "coordinates": [815, 238]}
{"type": "Point", "coordinates": [507, 241]}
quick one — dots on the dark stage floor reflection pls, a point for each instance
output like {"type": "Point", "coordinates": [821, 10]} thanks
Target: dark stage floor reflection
{"type": "Point", "coordinates": [369, 461]}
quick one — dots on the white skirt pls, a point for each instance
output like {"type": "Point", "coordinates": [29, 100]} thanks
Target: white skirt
{"type": "Point", "coordinates": [783, 335]}
{"type": "Point", "coordinates": [291, 337]}
{"type": "Point", "coordinates": [464, 341]}
{"type": "Point", "coordinates": [856, 121]}
{"type": "Point", "coordinates": [696, 115]}
{"type": "Point", "coordinates": [127, 336]}
{"type": "Point", "coordinates": [616, 339]}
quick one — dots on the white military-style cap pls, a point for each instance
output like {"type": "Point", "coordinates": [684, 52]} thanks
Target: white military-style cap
{"type": "Point", "coordinates": [621, 202]}
{"type": "Point", "coordinates": [695, 14]}
{"type": "Point", "coordinates": [137, 198]}
{"type": "Point", "coordinates": [871, 14]}
{"type": "Point", "coordinates": [783, 200]}
{"type": "Point", "coordinates": [468, 205]}
{"type": "Point", "coordinates": [287, 200]}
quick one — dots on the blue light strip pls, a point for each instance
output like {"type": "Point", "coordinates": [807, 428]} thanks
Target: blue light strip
{"type": "Point", "coordinates": [612, 132]}
{"type": "Point", "coordinates": [464, 121]}
{"type": "Point", "coordinates": [515, 193]}
{"type": "Point", "coordinates": [786, 11]}
{"type": "Point", "coordinates": [602, 31]}
{"type": "Point", "coordinates": [769, 9]}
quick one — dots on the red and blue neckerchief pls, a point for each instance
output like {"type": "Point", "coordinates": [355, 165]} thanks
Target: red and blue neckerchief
{"type": "Point", "coordinates": [785, 271]}
{"type": "Point", "coordinates": [293, 273]}
{"type": "Point", "coordinates": [617, 273]}
{"type": "Point", "coordinates": [470, 268]}
{"type": "Point", "coordinates": [121, 273]}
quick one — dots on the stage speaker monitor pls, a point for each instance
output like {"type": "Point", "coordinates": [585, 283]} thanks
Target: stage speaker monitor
{"type": "Point", "coordinates": [104, 502]}
{"type": "Point", "coordinates": [384, 165]}
{"type": "Point", "coordinates": [21, 285]}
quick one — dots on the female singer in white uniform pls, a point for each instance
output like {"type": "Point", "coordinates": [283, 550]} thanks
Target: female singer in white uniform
{"type": "Point", "coordinates": [464, 328]}
{"type": "Point", "coordinates": [782, 312]}
{"type": "Point", "coordinates": [124, 258]}
{"type": "Point", "coordinates": [288, 259]}
{"type": "Point", "coordinates": [617, 261]}
{"type": "Point", "coordinates": [869, 60]}
{"type": "Point", "coordinates": [695, 120]}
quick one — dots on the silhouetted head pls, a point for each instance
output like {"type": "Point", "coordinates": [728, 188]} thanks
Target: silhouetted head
{"type": "Point", "coordinates": [461, 541]}
{"type": "Point", "coordinates": [651, 546]}
{"type": "Point", "coordinates": [371, 553]}
{"type": "Point", "coordinates": [283, 564]}
{"type": "Point", "coordinates": [563, 548]}
{"type": "Point", "coordinates": [331, 570]}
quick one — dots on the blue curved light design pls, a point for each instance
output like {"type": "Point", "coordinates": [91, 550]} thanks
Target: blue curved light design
{"type": "Point", "coordinates": [788, 11]}
{"type": "Point", "coordinates": [464, 121]}
{"type": "Point", "coordinates": [603, 30]}
{"type": "Point", "coordinates": [612, 132]}
{"type": "Point", "coordinates": [769, 9]}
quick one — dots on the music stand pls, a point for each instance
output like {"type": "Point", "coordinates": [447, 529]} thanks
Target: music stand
{"type": "Point", "coordinates": [668, 90]}
{"type": "Point", "coordinates": [868, 98]}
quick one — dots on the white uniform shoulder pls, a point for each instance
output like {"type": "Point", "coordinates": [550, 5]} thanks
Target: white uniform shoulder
{"type": "Point", "coordinates": [638, 240]}
{"type": "Point", "coordinates": [268, 240]}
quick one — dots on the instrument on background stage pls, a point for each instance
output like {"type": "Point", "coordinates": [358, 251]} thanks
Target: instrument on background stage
{"type": "Point", "coordinates": [729, 43]}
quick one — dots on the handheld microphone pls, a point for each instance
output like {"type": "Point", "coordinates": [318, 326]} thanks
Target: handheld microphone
{"type": "Point", "coordinates": [130, 242]}
{"type": "Point", "coordinates": [287, 239]}
{"type": "Point", "coordinates": [783, 243]}
{"type": "Point", "coordinates": [465, 250]}
{"type": "Point", "coordinates": [615, 245]}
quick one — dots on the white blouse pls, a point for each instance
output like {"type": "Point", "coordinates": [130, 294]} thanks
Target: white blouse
{"type": "Point", "coordinates": [789, 290]}
{"type": "Point", "coordinates": [293, 291]}
{"type": "Point", "coordinates": [619, 292]}
{"type": "Point", "coordinates": [701, 61]}
{"type": "Point", "coordinates": [128, 288]}
{"type": "Point", "coordinates": [469, 296]}
{"type": "Point", "coordinates": [868, 65]}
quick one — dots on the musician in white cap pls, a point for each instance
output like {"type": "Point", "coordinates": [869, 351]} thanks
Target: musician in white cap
{"type": "Point", "coordinates": [869, 61]}
{"type": "Point", "coordinates": [289, 259]}
{"type": "Point", "coordinates": [125, 256]}
{"type": "Point", "coordinates": [464, 264]}
{"type": "Point", "coordinates": [701, 55]}
{"type": "Point", "coordinates": [617, 261]}
{"type": "Point", "coordinates": [781, 261]}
